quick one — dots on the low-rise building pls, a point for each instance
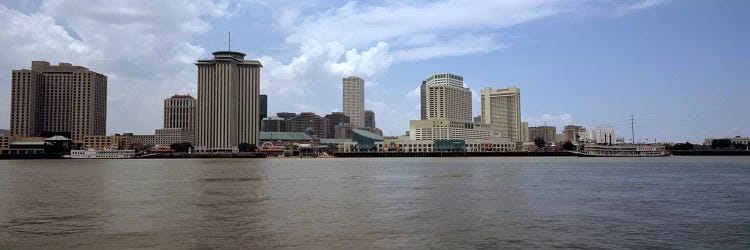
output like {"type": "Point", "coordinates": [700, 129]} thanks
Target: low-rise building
{"type": "Point", "coordinates": [146, 140]}
{"type": "Point", "coordinates": [169, 136]}
{"type": "Point", "coordinates": [447, 129]}
{"type": "Point", "coordinates": [745, 140]}
{"type": "Point", "coordinates": [273, 124]}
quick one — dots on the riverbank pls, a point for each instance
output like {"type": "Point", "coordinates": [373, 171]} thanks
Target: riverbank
{"type": "Point", "coordinates": [449, 154]}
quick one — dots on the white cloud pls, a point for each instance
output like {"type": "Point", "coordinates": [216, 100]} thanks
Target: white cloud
{"type": "Point", "coordinates": [558, 121]}
{"type": "Point", "coordinates": [144, 50]}
{"type": "Point", "coordinates": [323, 63]}
{"type": "Point", "coordinates": [626, 9]}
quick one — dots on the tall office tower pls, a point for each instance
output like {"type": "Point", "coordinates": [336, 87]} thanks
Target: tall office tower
{"type": "Point", "coordinates": [58, 98]}
{"type": "Point", "coordinates": [263, 110]}
{"type": "Point", "coordinates": [525, 132]}
{"type": "Point", "coordinates": [179, 112]}
{"type": "Point", "coordinates": [228, 93]}
{"type": "Point", "coordinates": [333, 119]}
{"type": "Point", "coordinates": [423, 101]}
{"type": "Point", "coordinates": [501, 110]}
{"type": "Point", "coordinates": [369, 119]}
{"type": "Point", "coordinates": [444, 96]}
{"type": "Point", "coordinates": [354, 100]}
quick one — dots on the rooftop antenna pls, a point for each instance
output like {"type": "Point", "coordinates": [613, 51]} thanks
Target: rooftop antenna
{"type": "Point", "coordinates": [230, 41]}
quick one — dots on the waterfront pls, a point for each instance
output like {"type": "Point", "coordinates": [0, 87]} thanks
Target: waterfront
{"type": "Point", "coordinates": [542, 202]}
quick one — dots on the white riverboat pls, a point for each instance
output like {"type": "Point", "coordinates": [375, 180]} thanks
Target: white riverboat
{"type": "Point", "coordinates": [102, 154]}
{"type": "Point", "coordinates": [624, 150]}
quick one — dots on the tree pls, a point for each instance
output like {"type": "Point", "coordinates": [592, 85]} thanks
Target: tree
{"type": "Point", "coordinates": [181, 147]}
{"type": "Point", "coordinates": [739, 146]}
{"type": "Point", "coordinates": [539, 142]}
{"type": "Point", "coordinates": [247, 147]}
{"type": "Point", "coordinates": [721, 143]}
{"type": "Point", "coordinates": [568, 146]}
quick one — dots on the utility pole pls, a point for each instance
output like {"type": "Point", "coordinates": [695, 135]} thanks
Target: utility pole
{"type": "Point", "coordinates": [632, 128]}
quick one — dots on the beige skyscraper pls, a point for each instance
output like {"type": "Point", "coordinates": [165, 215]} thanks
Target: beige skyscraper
{"type": "Point", "coordinates": [444, 96]}
{"type": "Point", "coordinates": [180, 112]}
{"type": "Point", "coordinates": [228, 100]}
{"type": "Point", "coordinates": [58, 98]}
{"type": "Point", "coordinates": [354, 100]}
{"type": "Point", "coordinates": [501, 110]}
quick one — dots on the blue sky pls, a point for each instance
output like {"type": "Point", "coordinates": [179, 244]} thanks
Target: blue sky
{"type": "Point", "coordinates": [681, 67]}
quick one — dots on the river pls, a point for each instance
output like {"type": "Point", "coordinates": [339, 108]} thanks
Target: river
{"type": "Point", "coordinates": [444, 203]}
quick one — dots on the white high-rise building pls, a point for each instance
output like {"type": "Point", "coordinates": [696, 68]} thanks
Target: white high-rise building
{"type": "Point", "coordinates": [444, 96]}
{"type": "Point", "coordinates": [228, 100]}
{"type": "Point", "coordinates": [354, 100]}
{"type": "Point", "coordinates": [501, 111]}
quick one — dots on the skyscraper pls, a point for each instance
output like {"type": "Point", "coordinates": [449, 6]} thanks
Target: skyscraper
{"type": "Point", "coordinates": [501, 110]}
{"type": "Point", "coordinates": [444, 96]}
{"type": "Point", "coordinates": [179, 121]}
{"type": "Point", "coordinates": [263, 110]}
{"type": "Point", "coordinates": [446, 111]}
{"type": "Point", "coordinates": [179, 112]}
{"type": "Point", "coordinates": [369, 119]}
{"type": "Point", "coordinates": [354, 100]}
{"type": "Point", "coordinates": [228, 93]}
{"type": "Point", "coordinates": [58, 98]}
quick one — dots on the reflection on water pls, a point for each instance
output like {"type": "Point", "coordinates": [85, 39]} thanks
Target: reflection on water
{"type": "Point", "coordinates": [677, 202]}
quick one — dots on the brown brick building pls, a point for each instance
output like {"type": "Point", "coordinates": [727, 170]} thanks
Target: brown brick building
{"type": "Point", "coordinates": [58, 98]}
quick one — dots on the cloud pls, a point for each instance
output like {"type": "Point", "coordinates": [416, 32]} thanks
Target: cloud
{"type": "Point", "coordinates": [145, 51]}
{"type": "Point", "coordinates": [627, 9]}
{"type": "Point", "coordinates": [323, 63]}
{"type": "Point", "coordinates": [558, 121]}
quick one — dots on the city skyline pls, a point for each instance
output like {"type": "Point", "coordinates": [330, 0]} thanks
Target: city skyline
{"type": "Point", "coordinates": [583, 64]}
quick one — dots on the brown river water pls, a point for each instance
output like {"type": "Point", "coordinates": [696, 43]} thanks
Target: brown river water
{"type": "Point", "coordinates": [380, 203]}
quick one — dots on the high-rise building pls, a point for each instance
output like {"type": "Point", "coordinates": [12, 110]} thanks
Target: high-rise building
{"type": "Point", "coordinates": [525, 132]}
{"type": "Point", "coordinates": [58, 98]}
{"type": "Point", "coordinates": [263, 109]}
{"type": "Point", "coordinates": [180, 112]}
{"type": "Point", "coordinates": [545, 132]}
{"type": "Point", "coordinates": [228, 105]}
{"type": "Point", "coordinates": [369, 119]}
{"type": "Point", "coordinates": [501, 110]}
{"type": "Point", "coordinates": [444, 96]}
{"type": "Point", "coordinates": [354, 100]}
{"type": "Point", "coordinates": [307, 122]}
{"type": "Point", "coordinates": [333, 119]}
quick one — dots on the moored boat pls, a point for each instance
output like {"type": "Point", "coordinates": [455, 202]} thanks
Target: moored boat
{"type": "Point", "coordinates": [102, 154]}
{"type": "Point", "coordinates": [624, 150]}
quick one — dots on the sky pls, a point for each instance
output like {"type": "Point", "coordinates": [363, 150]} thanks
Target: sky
{"type": "Point", "coordinates": [681, 67]}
